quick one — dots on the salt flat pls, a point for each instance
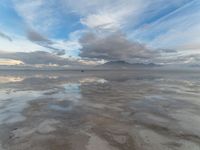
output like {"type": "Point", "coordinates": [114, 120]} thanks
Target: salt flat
{"type": "Point", "coordinates": [99, 110]}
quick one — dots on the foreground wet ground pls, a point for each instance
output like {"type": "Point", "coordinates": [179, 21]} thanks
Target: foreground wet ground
{"type": "Point", "coordinates": [96, 110]}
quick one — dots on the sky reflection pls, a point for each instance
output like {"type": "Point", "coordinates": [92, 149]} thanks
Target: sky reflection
{"type": "Point", "coordinates": [154, 110]}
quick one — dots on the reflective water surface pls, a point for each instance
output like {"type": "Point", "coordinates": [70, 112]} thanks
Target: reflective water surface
{"type": "Point", "coordinates": [96, 110]}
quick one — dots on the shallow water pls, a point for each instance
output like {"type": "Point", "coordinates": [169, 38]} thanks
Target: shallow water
{"type": "Point", "coordinates": [98, 110]}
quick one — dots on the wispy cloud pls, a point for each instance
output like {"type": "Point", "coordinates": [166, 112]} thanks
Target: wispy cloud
{"type": "Point", "coordinates": [43, 41]}
{"type": "Point", "coordinates": [106, 15]}
{"type": "Point", "coordinates": [175, 30]}
{"type": "Point", "coordinates": [3, 35]}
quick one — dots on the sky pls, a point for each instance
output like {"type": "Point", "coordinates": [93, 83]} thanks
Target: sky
{"type": "Point", "coordinates": [92, 32]}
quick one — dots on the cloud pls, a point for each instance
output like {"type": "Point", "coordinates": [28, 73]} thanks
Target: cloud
{"type": "Point", "coordinates": [41, 58]}
{"type": "Point", "coordinates": [20, 44]}
{"type": "Point", "coordinates": [177, 29]}
{"type": "Point", "coordinates": [56, 51]}
{"type": "Point", "coordinates": [177, 57]}
{"type": "Point", "coordinates": [10, 62]}
{"type": "Point", "coordinates": [37, 13]}
{"type": "Point", "coordinates": [48, 17]}
{"type": "Point", "coordinates": [172, 26]}
{"type": "Point", "coordinates": [106, 14]}
{"type": "Point", "coordinates": [36, 37]}
{"type": "Point", "coordinates": [3, 35]}
{"type": "Point", "coordinates": [120, 14]}
{"type": "Point", "coordinates": [101, 21]}
{"type": "Point", "coordinates": [114, 46]}
{"type": "Point", "coordinates": [43, 41]}
{"type": "Point", "coordinates": [38, 57]}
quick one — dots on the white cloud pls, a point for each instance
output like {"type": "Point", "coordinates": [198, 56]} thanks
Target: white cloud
{"type": "Point", "coordinates": [19, 44]}
{"type": "Point", "coordinates": [101, 21]}
{"type": "Point", "coordinates": [106, 14]}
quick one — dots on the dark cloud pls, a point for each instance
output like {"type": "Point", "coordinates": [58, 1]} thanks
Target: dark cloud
{"type": "Point", "coordinates": [56, 51]}
{"type": "Point", "coordinates": [41, 40]}
{"type": "Point", "coordinates": [167, 50]}
{"type": "Point", "coordinates": [3, 35]}
{"type": "Point", "coordinates": [38, 57]}
{"type": "Point", "coordinates": [115, 46]}
{"type": "Point", "coordinates": [36, 37]}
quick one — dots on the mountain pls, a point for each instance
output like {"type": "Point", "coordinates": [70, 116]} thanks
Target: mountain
{"type": "Point", "coordinates": [125, 65]}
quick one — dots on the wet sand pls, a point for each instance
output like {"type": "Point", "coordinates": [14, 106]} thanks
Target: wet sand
{"type": "Point", "coordinates": [98, 110]}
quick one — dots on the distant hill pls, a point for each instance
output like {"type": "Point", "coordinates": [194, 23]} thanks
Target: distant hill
{"type": "Point", "coordinates": [125, 65]}
{"type": "Point", "coordinates": [195, 65]}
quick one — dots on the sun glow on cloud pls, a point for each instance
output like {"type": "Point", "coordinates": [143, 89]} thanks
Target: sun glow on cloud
{"type": "Point", "coordinates": [10, 62]}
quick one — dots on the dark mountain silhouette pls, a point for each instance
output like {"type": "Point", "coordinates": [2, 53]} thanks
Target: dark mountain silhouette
{"type": "Point", "coordinates": [125, 65]}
